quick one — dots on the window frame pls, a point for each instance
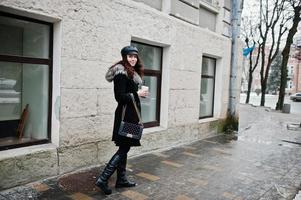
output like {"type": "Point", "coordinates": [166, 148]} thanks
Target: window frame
{"type": "Point", "coordinates": [209, 77]}
{"type": "Point", "coordinates": [158, 75]}
{"type": "Point", "coordinates": [32, 60]}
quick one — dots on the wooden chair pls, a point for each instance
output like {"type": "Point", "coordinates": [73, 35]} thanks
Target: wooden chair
{"type": "Point", "coordinates": [23, 119]}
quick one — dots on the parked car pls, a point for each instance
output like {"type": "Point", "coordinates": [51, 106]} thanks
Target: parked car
{"type": "Point", "coordinates": [296, 97]}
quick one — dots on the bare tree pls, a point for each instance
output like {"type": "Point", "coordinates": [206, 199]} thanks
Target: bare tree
{"type": "Point", "coordinates": [250, 33]}
{"type": "Point", "coordinates": [296, 6]}
{"type": "Point", "coordinates": [252, 69]}
{"type": "Point", "coordinates": [268, 28]}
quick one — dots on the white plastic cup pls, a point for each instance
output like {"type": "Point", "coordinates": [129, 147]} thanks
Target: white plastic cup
{"type": "Point", "coordinates": [144, 88]}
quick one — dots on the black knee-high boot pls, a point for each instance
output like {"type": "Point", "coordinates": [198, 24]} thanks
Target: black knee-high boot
{"type": "Point", "coordinates": [122, 181]}
{"type": "Point", "coordinates": [102, 181]}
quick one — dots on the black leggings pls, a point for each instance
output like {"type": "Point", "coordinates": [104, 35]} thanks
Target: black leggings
{"type": "Point", "coordinates": [123, 150]}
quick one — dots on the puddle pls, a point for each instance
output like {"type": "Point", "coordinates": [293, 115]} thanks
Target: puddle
{"type": "Point", "coordinates": [254, 140]}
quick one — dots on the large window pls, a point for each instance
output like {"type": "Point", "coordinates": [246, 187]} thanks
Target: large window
{"type": "Point", "coordinates": [207, 87]}
{"type": "Point", "coordinates": [152, 59]}
{"type": "Point", "coordinates": [25, 81]}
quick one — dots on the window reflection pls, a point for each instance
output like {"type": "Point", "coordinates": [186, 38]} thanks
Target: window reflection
{"type": "Point", "coordinates": [207, 88]}
{"type": "Point", "coordinates": [10, 91]}
{"type": "Point", "coordinates": [25, 69]}
{"type": "Point", "coordinates": [150, 106]}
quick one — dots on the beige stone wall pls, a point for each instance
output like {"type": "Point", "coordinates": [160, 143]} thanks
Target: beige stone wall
{"type": "Point", "coordinates": [91, 36]}
{"type": "Point", "coordinates": [24, 165]}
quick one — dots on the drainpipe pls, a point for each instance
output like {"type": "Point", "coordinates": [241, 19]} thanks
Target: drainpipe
{"type": "Point", "coordinates": [298, 66]}
{"type": "Point", "coordinates": [233, 89]}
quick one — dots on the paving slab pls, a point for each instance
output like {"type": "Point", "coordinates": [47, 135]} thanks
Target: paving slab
{"type": "Point", "coordinates": [258, 164]}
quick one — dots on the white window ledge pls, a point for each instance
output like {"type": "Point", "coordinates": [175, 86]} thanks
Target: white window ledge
{"type": "Point", "coordinates": [205, 120]}
{"type": "Point", "coordinates": [153, 129]}
{"type": "Point", "coordinates": [26, 150]}
{"type": "Point", "coordinates": [209, 7]}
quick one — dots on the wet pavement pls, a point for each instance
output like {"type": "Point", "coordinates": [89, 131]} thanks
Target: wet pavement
{"type": "Point", "coordinates": [263, 162]}
{"type": "Point", "coordinates": [271, 101]}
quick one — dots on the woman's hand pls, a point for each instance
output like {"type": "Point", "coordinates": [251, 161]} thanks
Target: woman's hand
{"type": "Point", "coordinates": [142, 93]}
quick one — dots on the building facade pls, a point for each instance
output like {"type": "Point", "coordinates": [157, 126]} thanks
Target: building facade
{"type": "Point", "coordinates": [294, 71]}
{"type": "Point", "coordinates": [294, 65]}
{"type": "Point", "coordinates": [57, 109]}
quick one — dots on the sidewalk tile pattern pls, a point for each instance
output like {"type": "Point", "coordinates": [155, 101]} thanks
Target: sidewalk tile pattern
{"type": "Point", "coordinates": [148, 176]}
{"type": "Point", "coordinates": [217, 168]}
{"type": "Point", "coordinates": [41, 187]}
{"type": "Point", "coordinates": [174, 164]}
{"type": "Point", "coordinates": [134, 195]}
{"type": "Point", "coordinates": [191, 154]}
{"type": "Point", "coordinates": [80, 196]}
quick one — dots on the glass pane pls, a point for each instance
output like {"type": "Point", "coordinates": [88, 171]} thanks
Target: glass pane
{"type": "Point", "coordinates": [35, 94]}
{"type": "Point", "coordinates": [208, 65]}
{"type": "Point", "coordinates": [10, 91]}
{"type": "Point", "coordinates": [21, 85]}
{"type": "Point", "coordinates": [24, 38]}
{"type": "Point", "coordinates": [150, 55]}
{"type": "Point", "coordinates": [206, 98]}
{"type": "Point", "coordinates": [149, 104]}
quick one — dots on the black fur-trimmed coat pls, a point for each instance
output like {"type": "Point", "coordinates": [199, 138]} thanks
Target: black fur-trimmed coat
{"type": "Point", "coordinates": [123, 86]}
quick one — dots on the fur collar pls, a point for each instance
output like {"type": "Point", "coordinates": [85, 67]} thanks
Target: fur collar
{"type": "Point", "coordinates": [119, 69]}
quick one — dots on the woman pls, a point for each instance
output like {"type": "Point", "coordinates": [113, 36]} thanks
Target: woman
{"type": "Point", "coordinates": [126, 75]}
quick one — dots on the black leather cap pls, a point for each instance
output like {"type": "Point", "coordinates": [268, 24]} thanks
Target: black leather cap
{"type": "Point", "coordinates": [129, 50]}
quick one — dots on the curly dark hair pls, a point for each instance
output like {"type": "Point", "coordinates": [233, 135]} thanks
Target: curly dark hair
{"type": "Point", "coordinates": [139, 68]}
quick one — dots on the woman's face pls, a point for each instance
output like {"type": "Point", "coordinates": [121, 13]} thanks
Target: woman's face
{"type": "Point", "coordinates": [132, 59]}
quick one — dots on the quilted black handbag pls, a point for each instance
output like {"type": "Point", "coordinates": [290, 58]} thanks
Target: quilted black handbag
{"type": "Point", "coordinates": [131, 130]}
